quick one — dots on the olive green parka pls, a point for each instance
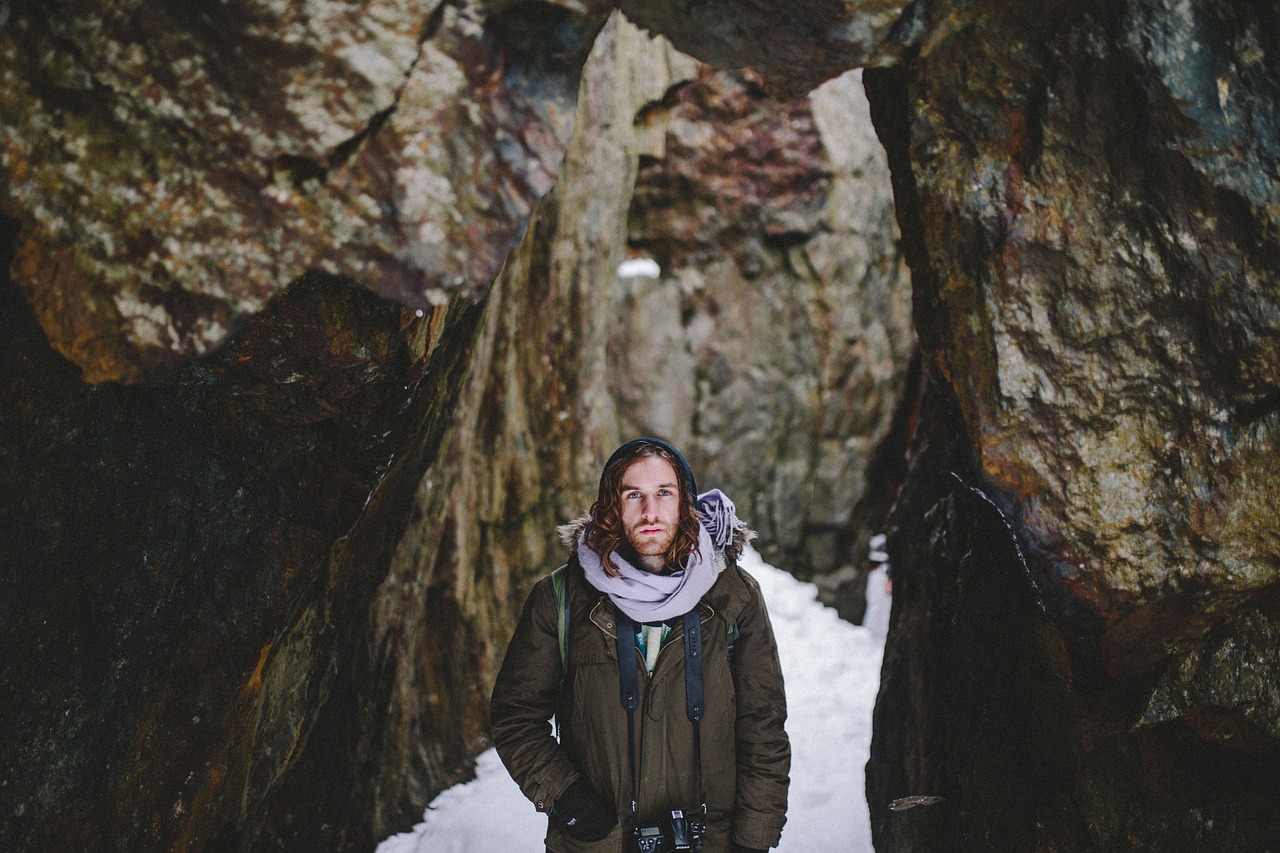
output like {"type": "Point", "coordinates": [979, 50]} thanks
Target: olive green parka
{"type": "Point", "coordinates": [746, 756]}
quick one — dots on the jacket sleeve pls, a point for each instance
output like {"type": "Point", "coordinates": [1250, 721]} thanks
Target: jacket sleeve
{"type": "Point", "coordinates": [524, 700]}
{"type": "Point", "coordinates": [764, 751]}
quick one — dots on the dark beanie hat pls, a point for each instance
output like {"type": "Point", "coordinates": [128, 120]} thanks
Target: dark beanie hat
{"type": "Point", "coordinates": [676, 454]}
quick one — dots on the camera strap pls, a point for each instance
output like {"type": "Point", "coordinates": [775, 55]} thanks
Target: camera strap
{"type": "Point", "coordinates": [629, 694]}
{"type": "Point", "coordinates": [694, 694]}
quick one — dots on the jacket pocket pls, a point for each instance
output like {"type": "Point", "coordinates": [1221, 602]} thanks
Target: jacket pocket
{"type": "Point", "coordinates": [559, 842]}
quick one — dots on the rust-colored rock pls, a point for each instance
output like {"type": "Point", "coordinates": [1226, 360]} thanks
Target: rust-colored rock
{"type": "Point", "coordinates": [258, 597]}
{"type": "Point", "coordinates": [188, 562]}
{"type": "Point", "coordinates": [1092, 233]}
{"type": "Point", "coordinates": [173, 168]}
{"type": "Point", "coordinates": [534, 422]}
{"type": "Point", "coordinates": [201, 650]}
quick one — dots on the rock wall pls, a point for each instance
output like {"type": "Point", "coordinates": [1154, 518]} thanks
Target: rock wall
{"type": "Point", "coordinates": [258, 595]}
{"type": "Point", "coordinates": [533, 425]}
{"type": "Point", "coordinates": [192, 561]}
{"type": "Point", "coordinates": [189, 566]}
{"type": "Point", "coordinates": [228, 584]}
{"type": "Point", "coordinates": [773, 345]}
{"type": "Point", "coordinates": [174, 167]}
{"type": "Point", "coordinates": [556, 382]}
{"type": "Point", "coordinates": [1085, 551]}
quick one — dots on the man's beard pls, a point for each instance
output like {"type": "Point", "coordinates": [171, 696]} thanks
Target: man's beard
{"type": "Point", "coordinates": [651, 546]}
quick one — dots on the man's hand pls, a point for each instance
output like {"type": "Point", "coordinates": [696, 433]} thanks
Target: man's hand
{"type": "Point", "coordinates": [586, 817]}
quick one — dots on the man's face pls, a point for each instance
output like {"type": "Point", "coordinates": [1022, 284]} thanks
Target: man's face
{"type": "Point", "coordinates": [650, 498]}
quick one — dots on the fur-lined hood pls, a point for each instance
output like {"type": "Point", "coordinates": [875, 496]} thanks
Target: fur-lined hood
{"type": "Point", "coordinates": [570, 534]}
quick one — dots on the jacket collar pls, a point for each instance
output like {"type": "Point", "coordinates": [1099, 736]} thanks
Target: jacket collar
{"type": "Point", "coordinates": [604, 615]}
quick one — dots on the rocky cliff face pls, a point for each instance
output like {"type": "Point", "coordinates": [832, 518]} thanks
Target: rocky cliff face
{"type": "Point", "coordinates": [1086, 552]}
{"type": "Point", "coordinates": [257, 600]}
{"type": "Point", "coordinates": [253, 599]}
{"type": "Point", "coordinates": [532, 426]}
{"type": "Point", "coordinates": [573, 358]}
{"type": "Point", "coordinates": [190, 565]}
{"type": "Point", "coordinates": [175, 167]}
{"type": "Point", "coordinates": [194, 559]}
{"type": "Point", "coordinates": [774, 343]}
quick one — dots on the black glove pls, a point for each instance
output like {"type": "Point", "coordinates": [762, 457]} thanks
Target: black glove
{"type": "Point", "coordinates": [586, 817]}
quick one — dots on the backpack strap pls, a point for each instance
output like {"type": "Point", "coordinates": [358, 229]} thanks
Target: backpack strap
{"type": "Point", "coordinates": [559, 586]}
{"type": "Point", "coordinates": [731, 628]}
{"type": "Point", "coordinates": [559, 581]}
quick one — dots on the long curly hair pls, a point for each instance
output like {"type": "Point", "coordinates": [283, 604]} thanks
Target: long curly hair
{"type": "Point", "coordinates": [605, 534]}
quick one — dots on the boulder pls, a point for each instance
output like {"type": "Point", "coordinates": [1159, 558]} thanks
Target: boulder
{"type": "Point", "coordinates": [1084, 547]}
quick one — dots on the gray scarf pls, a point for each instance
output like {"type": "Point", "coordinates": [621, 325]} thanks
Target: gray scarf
{"type": "Point", "coordinates": [649, 597]}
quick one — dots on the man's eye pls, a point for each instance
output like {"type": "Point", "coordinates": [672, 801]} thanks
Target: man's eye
{"type": "Point", "coordinates": [664, 493]}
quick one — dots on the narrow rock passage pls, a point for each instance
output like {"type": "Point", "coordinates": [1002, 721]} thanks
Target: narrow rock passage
{"type": "Point", "coordinates": [832, 670]}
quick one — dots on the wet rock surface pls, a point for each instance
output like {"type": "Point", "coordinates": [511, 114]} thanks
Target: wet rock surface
{"type": "Point", "coordinates": [796, 47]}
{"type": "Point", "coordinates": [1107, 332]}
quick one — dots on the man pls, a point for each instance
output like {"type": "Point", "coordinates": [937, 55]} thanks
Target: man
{"type": "Point", "coordinates": [652, 577]}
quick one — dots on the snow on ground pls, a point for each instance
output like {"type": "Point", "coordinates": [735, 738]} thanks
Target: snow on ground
{"type": "Point", "coordinates": [832, 671]}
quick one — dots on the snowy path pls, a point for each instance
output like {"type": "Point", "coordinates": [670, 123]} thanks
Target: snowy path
{"type": "Point", "coordinates": [832, 671]}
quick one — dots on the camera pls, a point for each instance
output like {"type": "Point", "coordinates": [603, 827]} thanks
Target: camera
{"type": "Point", "coordinates": [676, 834]}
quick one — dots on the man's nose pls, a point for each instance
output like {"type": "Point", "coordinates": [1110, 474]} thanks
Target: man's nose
{"type": "Point", "coordinates": [648, 508]}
